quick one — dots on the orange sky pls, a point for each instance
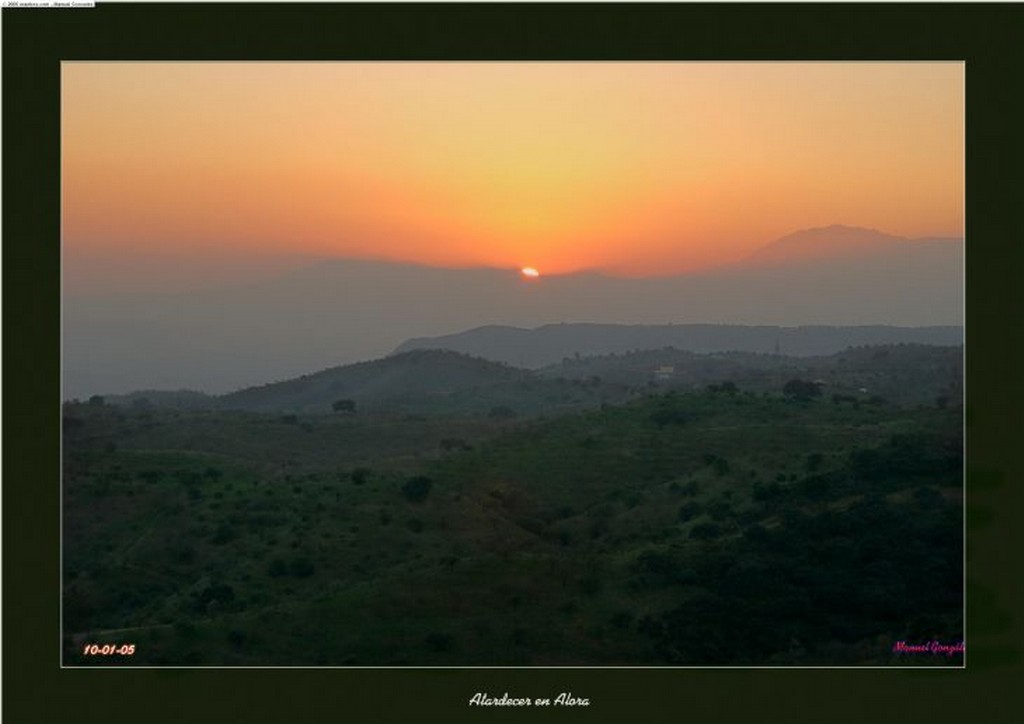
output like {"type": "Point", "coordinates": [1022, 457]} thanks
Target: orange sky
{"type": "Point", "coordinates": [635, 168]}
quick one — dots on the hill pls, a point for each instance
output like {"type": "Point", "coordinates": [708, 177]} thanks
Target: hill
{"type": "Point", "coordinates": [707, 528]}
{"type": "Point", "coordinates": [171, 399]}
{"type": "Point", "coordinates": [848, 244]}
{"type": "Point", "coordinates": [900, 373]}
{"type": "Point", "coordinates": [396, 381]}
{"type": "Point", "coordinates": [439, 382]}
{"type": "Point", "coordinates": [550, 344]}
{"type": "Point", "coordinates": [451, 383]}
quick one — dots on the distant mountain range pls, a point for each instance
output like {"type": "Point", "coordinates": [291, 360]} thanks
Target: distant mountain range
{"type": "Point", "coordinates": [553, 343]}
{"type": "Point", "coordinates": [445, 382]}
{"type": "Point", "coordinates": [838, 243]}
{"type": "Point", "coordinates": [343, 311]}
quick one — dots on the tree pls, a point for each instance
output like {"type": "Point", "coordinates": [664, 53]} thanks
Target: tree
{"type": "Point", "coordinates": [344, 406]}
{"type": "Point", "coordinates": [689, 511]}
{"type": "Point", "coordinates": [218, 595]}
{"type": "Point", "coordinates": [417, 488]}
{"type": "Point", "coordinates": [301, 567]}
{"type": "Point", "coordinates": [70, 424]}
{"type": "Point", "coordinates": [705, 531]}
{"type": "Point", "coordinates": [668, 416]}
{"type": "Point", "coordinates": [454, 443]}
{"type": "Point", "coordinates": [801, 389]}
{"type": "Point", "coordinates": [225, 533]}
{"type": "Point", "coordinates": [502, 412]}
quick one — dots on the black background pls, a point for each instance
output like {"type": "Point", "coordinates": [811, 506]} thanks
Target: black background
{"type": "Point", "coordinates": [987, 37]}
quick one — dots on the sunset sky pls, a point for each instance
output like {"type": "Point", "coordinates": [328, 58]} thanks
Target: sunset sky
{"type": "Point", "coordinates": [631, 168]}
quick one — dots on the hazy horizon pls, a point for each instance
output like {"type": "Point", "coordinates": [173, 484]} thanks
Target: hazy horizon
{"type": "Point", "coordinates": [333, 312]}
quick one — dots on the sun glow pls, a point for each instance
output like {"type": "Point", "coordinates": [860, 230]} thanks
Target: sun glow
{"type": "Point", "coordinates": [633, 168]}
{"type": "Point", "coordinates": [529, 272]}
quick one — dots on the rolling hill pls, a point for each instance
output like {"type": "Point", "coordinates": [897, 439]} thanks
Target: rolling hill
{"type": "Point", "coordinates": [451, 383]}
{"type": "Point", "coordinates": [550, 344]}
{"type": "Point", "coordinates": [706, 528]}
{"type": "Point", "coordinates": [397, 381]}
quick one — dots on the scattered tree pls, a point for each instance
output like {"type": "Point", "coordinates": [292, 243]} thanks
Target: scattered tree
{"type": "Point", "coordinates": [502, 412]}
{"type": "Point", "coordinates": [416, 489]}
{"type": "Point", "coordinates": [801, 389]}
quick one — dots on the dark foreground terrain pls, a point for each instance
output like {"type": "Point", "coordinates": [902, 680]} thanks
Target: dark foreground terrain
{"type": "Point", "coordinates": [731, 510]}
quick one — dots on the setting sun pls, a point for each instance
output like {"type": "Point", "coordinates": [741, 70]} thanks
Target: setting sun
{"type": "Point", "coordinates": [530, 272]}
{"type": "Point", "coordinates": [636, 168]}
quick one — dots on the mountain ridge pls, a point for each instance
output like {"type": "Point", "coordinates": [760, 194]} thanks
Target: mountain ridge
{"type": "Point", "coordinates": [549, 344]}
{"type": "Point", "coordinates": [838, 242]}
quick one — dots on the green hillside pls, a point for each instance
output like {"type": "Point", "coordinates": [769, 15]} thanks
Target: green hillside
{"type": "Point", "coordinates": [389, 382]}
{"type": "Point", "coordinates": [903, 373]}
{"type": "Point", "coordinates": [710, 527]}
{"type": "Point", "coordinates": [441, 382]}
{"type": "Point", "coordinates": [423, 381]}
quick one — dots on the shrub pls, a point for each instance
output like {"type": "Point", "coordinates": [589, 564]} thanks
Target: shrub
{"type": "Point", "coordinates": [689, 511]}
{"type": "Point", "coordinates": [622, 619]}
{"type": "Point", "coordinates": [801, 389]}
{"type": "Point", "coordinates": [417, 489]}
{"type": "Point", "coordinates": [217, 594]}
{"type": "Point", "coordinates": [705, 531]}
{"type": "Point", "coordinates": [301, 567]}
{"type": "Point", "coordinates": [450, 444]}
{"type": "Point", "coordinates": [668, 416]}
{"type": "Point", "coordinates": [719, 510]}
{"type": "Point", "coordinates": [224, 534]}
{"type": "Point", "coordinates": [764, 493]}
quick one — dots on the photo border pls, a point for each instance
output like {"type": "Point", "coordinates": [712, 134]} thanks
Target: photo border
{"type": "Point", "coordinates": [35, 41]}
